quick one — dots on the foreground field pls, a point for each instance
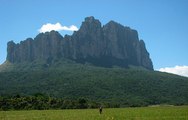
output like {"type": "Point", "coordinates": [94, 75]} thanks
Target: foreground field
{"type": "Point", "coordinates": [144, 113]}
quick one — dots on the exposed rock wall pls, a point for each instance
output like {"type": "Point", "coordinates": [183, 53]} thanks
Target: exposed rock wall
{"type": "Point", "coordinates": [108, 45]}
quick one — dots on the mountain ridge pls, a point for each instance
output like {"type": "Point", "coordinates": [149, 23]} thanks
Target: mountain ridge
{"type": "Point", "coordinates": [107, 45]}
{"type": "Point", "coordinates": [91, 64]}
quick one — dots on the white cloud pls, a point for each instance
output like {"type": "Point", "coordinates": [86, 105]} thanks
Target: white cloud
{"type": "Point", "coordinates": [57, 27]}
{"type": "Point", "coordinates": [179, 70]}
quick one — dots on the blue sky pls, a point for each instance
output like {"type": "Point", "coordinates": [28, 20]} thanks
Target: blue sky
{"type": "Point", "coordinates": [162, 24]}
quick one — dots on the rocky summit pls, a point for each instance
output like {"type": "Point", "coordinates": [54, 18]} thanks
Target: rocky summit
{"type": "Point", "coordinates": [109, 45]}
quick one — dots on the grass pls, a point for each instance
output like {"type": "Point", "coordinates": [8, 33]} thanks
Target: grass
{"type": "Point", "coordinates": [142, 113]}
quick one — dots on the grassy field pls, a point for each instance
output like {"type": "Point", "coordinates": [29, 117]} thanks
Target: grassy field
{"type": "Point", "coordinates": [143, 113]}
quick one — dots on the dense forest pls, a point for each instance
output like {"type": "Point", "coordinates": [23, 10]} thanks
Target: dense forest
{"type": "Point", "coordinates": [43, 102]}
{"type": "Point", "coordinates": [114, 86]}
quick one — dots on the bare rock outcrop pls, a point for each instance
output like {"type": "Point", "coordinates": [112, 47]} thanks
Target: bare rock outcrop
{"type": "Point", "coordinates": [109, 45]}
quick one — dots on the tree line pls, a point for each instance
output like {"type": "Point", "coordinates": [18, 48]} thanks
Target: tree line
{"type": "Point", "coordinates": [43, 102]}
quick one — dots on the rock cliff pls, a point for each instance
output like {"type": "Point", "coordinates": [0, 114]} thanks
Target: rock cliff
{"type": "Point", "coordinates": [110, 45]}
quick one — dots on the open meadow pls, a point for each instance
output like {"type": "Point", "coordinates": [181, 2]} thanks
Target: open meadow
{"type": "Point", "coordinates": [141, 113]}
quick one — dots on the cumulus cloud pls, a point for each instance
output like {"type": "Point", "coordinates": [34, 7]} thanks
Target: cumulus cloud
{"type": "Point", "coordinates": [179, 70]}
{"type": "Point", "coordinates": [57, 27]}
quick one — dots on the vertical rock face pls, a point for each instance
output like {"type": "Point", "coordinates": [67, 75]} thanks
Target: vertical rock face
{"type": "Point", "coordinates": [88, 41]}
{"type": "Point", "coordinates": [11, 49]}
{"type": "Point", "coordinates": [47, 45]}
{"type": "Point", "coordinates": [20, 52]}
{"type": "Point", "coordinates": [108, 45]}
{"type": "Point", "coordinates": [44, 46]}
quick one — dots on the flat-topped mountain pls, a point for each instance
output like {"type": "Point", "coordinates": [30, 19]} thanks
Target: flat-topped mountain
{"type": "Point", "coordinates": [55, 66]}
{"type": "Point", "coordinates": [110, 45]}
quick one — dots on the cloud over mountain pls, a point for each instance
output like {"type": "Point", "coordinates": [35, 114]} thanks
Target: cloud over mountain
{"type": "Point", "coordinates": [57, 27]}
{"type": "Point", "coordinates": [179, 70]}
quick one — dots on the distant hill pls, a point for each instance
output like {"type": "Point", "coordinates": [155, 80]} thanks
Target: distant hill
{"type": "Point", "coordinates": [108, 45]}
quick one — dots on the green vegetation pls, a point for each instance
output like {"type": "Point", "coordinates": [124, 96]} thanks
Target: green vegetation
{"type": "Point", "coordinates": [113, 86]}
{"type": "Point", "coordinates": [42, 102]}
{"type": "Point", "coordinates": [142, 113]}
